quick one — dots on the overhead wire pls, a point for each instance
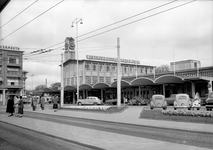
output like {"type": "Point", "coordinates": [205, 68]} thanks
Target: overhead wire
{"type": "Point", "coordinates": [138, 20]}
{"type": "Point", "coordinates": [19, 14]}
{"type": "Point", "coordinates": [31, 20]}
{"type": "Point", "coordinates": [117, 22]}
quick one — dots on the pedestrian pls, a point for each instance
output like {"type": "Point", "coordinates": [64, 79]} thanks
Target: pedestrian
{"type": "Point", "coordinates": [20, 107]}
{"type": "Point", "coordinates": [55, 103]}
{"type": "Point", "coordinates": [16, 100]}
{"type": "Point", "coordinates": [34, 103]}
{"type": "Point", "coordinates": [10, 106]}
{"type": "Point", "coordinates": [42, 102]}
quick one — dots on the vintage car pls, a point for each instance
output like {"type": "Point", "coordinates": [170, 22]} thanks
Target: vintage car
{"type": "Point", "coordinates": [90, 100]}
{"type": "Point", "coordinates": [158, 101]}
{"type": "Point", "coordinates": [137, 101]}
{"type": "Point", "coordinates": [170, 100]}
{"type": "Point", "coordinates": [209, 102]}
{"type": "Point", "coordinates": [182, 101]}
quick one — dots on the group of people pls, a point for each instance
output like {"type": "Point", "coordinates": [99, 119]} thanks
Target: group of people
{"type": "Point", "coordinates": [41, 100]}
{"type": "Point", "coordinates": [15, 105]}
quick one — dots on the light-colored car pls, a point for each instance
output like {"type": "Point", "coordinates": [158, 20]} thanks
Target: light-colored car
{"type": "Point", "coordinates": [209, 102]}
{"type": "Point", "coordinates": [158, 101]}
{"type": "Point", "coordinates": [182, 101]}
{"type": "Point", "coordinates": [90, 100]}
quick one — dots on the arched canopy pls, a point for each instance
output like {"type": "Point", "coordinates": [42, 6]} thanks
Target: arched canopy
{"type": "Point", "coordinates": [142, 81]}
{"type": "Point", "coordinates": [85, 87]}
{"type": "Point", "coordinates": [169, 79]}
{"type": "Point", "coordinates": [69, 88]}
{"type": "Point", "coordinates": [123, 83]}
{"type": "Point", "coordinates": [100, 85]}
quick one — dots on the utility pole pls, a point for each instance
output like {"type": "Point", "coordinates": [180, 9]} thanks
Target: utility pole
{"type": "Point", "coordinates": [118, 74]}
{"type": "Point", "coordinates": [62, 81]}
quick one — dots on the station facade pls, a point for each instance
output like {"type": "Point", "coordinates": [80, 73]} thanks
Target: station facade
{"type": "Point", "coordinates": [98, 75]}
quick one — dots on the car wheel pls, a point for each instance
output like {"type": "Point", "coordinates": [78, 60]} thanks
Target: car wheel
{"type": "Point", "coordinates": [198, 108]}
{"type": "Point", "coordinates": [175, 108]}
{"type": "Point", "coordinates": [95, 103]}
{"type": "Point", "coordinates": [151, 107]}
{"type": "Point", "coordinates": [79, 103]}
{"type": "Point", "coordinates": [164, 108]}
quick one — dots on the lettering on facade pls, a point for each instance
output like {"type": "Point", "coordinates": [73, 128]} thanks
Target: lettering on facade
{"type": "Point", "coordinates": [9, 47]}
{"type": "Point", "coordinates": [91, 57]}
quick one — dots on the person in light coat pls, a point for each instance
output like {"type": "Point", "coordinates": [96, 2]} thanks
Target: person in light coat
{"type": "Point", "coordinates": [42, 102]}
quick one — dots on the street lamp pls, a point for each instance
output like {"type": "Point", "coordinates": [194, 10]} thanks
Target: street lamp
{"type": "Point", "coordinates": [32, 82]}
{"type": "Point", "coordinates": [76, 21]}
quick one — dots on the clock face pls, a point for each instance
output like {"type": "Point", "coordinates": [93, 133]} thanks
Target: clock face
{"type": "Point", "coordinates": [69, 44]}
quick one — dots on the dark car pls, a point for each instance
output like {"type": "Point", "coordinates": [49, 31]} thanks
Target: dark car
{"type": "Point", "coordinates": [137, 100]}
{"type": "Point", "coordinates": [209, 102]}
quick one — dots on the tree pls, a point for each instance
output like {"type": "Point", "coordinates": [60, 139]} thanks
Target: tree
{"type": "Point", "coordinates": [40, 87]}
{"type": "Point", "coordinates": [162, 68]}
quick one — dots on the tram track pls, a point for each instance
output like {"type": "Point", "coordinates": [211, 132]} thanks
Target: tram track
{"type": "Point", "coordinates": [195, 138]}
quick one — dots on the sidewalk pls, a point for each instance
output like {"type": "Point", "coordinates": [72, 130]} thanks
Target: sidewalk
{"type": "Point", "coordinates": [129, 116]}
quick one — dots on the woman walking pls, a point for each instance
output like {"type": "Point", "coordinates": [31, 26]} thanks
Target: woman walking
{"type": "Point", "coordinates": [10, 106]}
{"type": "Point", "coordinates": [20, 107]}
{"type": "Point", "coordinates": [55, 103]}
{"type": "Point", "coordinates": [42, 102]}
{"type": "Point", "coordinates": [34, 103]}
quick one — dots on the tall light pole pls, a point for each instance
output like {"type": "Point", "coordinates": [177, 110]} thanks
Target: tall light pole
{"type": "Point", "coordinates": [76, 21]}
{"type": "Point", "coordinates": [32, 82]}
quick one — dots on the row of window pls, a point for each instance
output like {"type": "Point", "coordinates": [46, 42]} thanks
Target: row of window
{"type": "Point", "coordinates": [10, 59]}
{"type": "Point", "coordinates": [113, 68]}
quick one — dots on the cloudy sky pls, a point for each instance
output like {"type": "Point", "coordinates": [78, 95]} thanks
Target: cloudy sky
{"type": "Point", "coordinates": [152, 36]}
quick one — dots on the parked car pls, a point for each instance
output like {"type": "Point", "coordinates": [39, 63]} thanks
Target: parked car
{"type": "Point", "coordinates": [182, 101]}
{"type": "Point", "coordinates": [91, 100]}
{"type": "Point", "coordinates": [170, 100]}
{"type": "Point", "coordinates": [158, 101]}
{"type": "Point", "coordinates": [209, 102]}
{"type": "Point", "coordinates": [137, 101]}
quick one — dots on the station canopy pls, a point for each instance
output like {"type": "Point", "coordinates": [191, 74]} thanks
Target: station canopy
{"type": "Point", "coordinates": [100, 86]}
{"type": "Point", "coordinates": [142, 81]}
{"type": "Point", "coordinates": [169, 79]}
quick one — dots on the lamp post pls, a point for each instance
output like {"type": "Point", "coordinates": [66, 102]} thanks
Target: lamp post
{"type": "Point", "coordinates": [32, 82]}
{"type": "Point", "coordinates": [76, 21]}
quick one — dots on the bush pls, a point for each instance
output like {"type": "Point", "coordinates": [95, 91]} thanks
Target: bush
{"type": "Point", "coordinates": [188, 113]}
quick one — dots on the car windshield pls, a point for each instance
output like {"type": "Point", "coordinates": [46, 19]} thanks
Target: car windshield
{"type": "Point", "coordinates": [182, 98]}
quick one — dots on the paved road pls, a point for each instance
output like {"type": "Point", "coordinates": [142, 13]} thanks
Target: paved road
{"type": "Point", "coordinates": [17, 138]}
{"type": "Point", "coordinates": [199, 139]}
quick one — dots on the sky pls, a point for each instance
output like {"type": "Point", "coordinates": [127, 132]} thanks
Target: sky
{"type": "Point", "coordinates": [152, 36]}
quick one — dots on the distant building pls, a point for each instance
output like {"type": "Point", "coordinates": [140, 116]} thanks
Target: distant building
{"type": "Point", "coordinates": [185, 64]}
{"type": "Point", "coordinates": [11, 73]}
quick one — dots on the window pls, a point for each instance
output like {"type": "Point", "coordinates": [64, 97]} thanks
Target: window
{"type": "Point", "coordinates": [114, 68]}
{"type": "Point", "coordinates": [195, 64]}
{"type": "Point", "coordinates": [13, 81]}
{"type": "Point", "coordinates": [14, 71]}
{"type": "Point", "coordinates": [100, 67]}
{"type": "Point", "coordinates": [108, 68]}
{"type": "Point", "coordinates": [13, 60]}
{"type": "Point", "coordinates": [94, 67]}
{"type": "Point", "coordinates": [87, 66]}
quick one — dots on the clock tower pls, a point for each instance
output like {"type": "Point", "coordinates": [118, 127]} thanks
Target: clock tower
{"type": "Point", "coordinates": [69, 48]}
